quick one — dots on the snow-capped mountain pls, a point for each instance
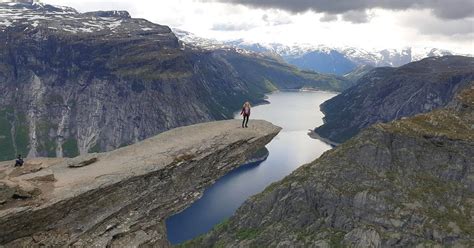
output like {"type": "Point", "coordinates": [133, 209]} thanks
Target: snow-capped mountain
{"type": "Point", "coordinates": [67, 20]}
{"type": "Point", "coordinates": [321, 58]}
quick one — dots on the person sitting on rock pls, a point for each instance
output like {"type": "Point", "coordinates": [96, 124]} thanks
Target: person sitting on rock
{"type": "Point", "coordinates": [19, 161]}
{"type": "Point", "coordinates": [246, 113]}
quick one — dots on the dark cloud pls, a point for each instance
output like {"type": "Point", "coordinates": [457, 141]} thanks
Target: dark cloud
{"type": "Point", "coordinates": [356, 16]}
{"type": "Point", "coordinates": [329, 18]}
{"type": "Point", "coordinates": [446, 9]}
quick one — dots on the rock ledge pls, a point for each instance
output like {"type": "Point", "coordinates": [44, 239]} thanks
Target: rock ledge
{"type": "Point", "coordinates": [124, 196]}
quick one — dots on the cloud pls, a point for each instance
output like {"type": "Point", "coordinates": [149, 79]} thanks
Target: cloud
{"type": "Point", "coordinates": [447, 9]}
{"type": "Point", "coordinates": [356, 16]}
{"type": "Point", "coordinates": [329, 18]}
{"type": "Point", "coordinates": [233, 26]}
{"type": "Point", "coordinates": [276, 19]}
{"type": "Point", "coordinates": [433, 26]}
{"type": "Point", "coordinates": [453, 9]}
{"type": "Point", "coordinates": [326, 23]}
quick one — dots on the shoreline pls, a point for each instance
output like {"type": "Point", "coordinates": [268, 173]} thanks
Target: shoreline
{"type": "Point", "coordinates": [315, 135]}
{"type": "Point", "coordinates": [307, 89]}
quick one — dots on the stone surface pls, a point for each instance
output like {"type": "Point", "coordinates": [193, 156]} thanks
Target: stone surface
{"type": "Point", "coordinates": [82, 161]}
{"type": "Point", "coordinates": [123, 198]}
{"type": "Point", "coordinates": [408, 183]}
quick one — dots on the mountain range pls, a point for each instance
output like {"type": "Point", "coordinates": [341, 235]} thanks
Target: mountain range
{"type": "Point", "coordinates": [72, 83]}
{"type": "Point", "coordinates": [322, 58]}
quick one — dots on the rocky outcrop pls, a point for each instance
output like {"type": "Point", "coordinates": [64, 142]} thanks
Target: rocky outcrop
{"type": "Point", "coordinates": [74, 83]}
{"type": "Point", "coordinates": [122, 197]}
{"type": "Point", "coordinates": [358, 73]}
{"type": "Point", "coordinates": [408, 183]}
{"type": "Point", "coordinates": [386, 94]}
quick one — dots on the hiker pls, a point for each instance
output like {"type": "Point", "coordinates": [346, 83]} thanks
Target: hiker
{"type": "Point", "coordinates": [246, 113]}
{"type": "Point", "coordinates": [19, 161]}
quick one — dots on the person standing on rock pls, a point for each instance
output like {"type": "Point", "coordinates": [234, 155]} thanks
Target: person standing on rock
{"type": "Point", "coordinates": [246, 114]}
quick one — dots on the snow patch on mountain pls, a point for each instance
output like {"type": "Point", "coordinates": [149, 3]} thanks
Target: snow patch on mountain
{"type": "Point", "coordinates": [34, 16]}
{"type": "Point", "coordinates": [294, 52]}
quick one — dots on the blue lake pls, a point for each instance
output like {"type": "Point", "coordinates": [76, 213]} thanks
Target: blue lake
{"type": "Point", "coordinates": [295, 112]}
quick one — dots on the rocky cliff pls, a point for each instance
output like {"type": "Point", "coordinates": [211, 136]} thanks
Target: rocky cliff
{"type": "Point", "coordinates": [386, 94]}
{"type": "Point", "coordinates": [403, 184]}
{"type": "Point", "coordinates": [72, 83]}
{"type": "Point", "coordinates": [121, 198]}
{"type": "Point", "coordinates": [358, 73]}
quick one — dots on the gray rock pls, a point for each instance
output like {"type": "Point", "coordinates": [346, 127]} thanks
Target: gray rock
{"type": "Point", "coordinates": [17, 189]}
{"type": "Point", "coordinates": [124, 197]}
{"type": "Point", "coordinates": [82, 161]}
{"type": "Point", "coordinates": [363, 238]}
{"type": "Point", "coordinates": [321, 244]}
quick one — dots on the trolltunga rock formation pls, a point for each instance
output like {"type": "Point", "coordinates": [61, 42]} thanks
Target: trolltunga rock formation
{"type": "Point", "coordinates": [120, 197]}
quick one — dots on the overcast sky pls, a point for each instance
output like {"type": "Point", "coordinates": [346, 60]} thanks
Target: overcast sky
{"type": "Point", "coordinates": [370, 24]}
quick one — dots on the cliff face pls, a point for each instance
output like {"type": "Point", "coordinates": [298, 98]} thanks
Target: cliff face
{"type": "Point", "coordinates": [121, 198]}
{"type": "Point", "coordinates": [72, 83]}
{"type": "Point", "coordinates": [386, 94]}
{"type": "Point", "coordinates": [358, 73]}
{"type": "Point", "coordinates": [401, 184]}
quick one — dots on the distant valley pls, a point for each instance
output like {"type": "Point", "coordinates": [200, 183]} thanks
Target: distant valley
{"type": "Point", "coordinates": [323, 59]}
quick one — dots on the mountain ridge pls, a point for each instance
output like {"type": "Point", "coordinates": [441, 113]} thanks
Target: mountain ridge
{"type": "Point", "coordinates": [385, 94]}
{"type": "Point", "coordinates": [342, 60]}
{"type": "Point", "coordinates": [73, 83]}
